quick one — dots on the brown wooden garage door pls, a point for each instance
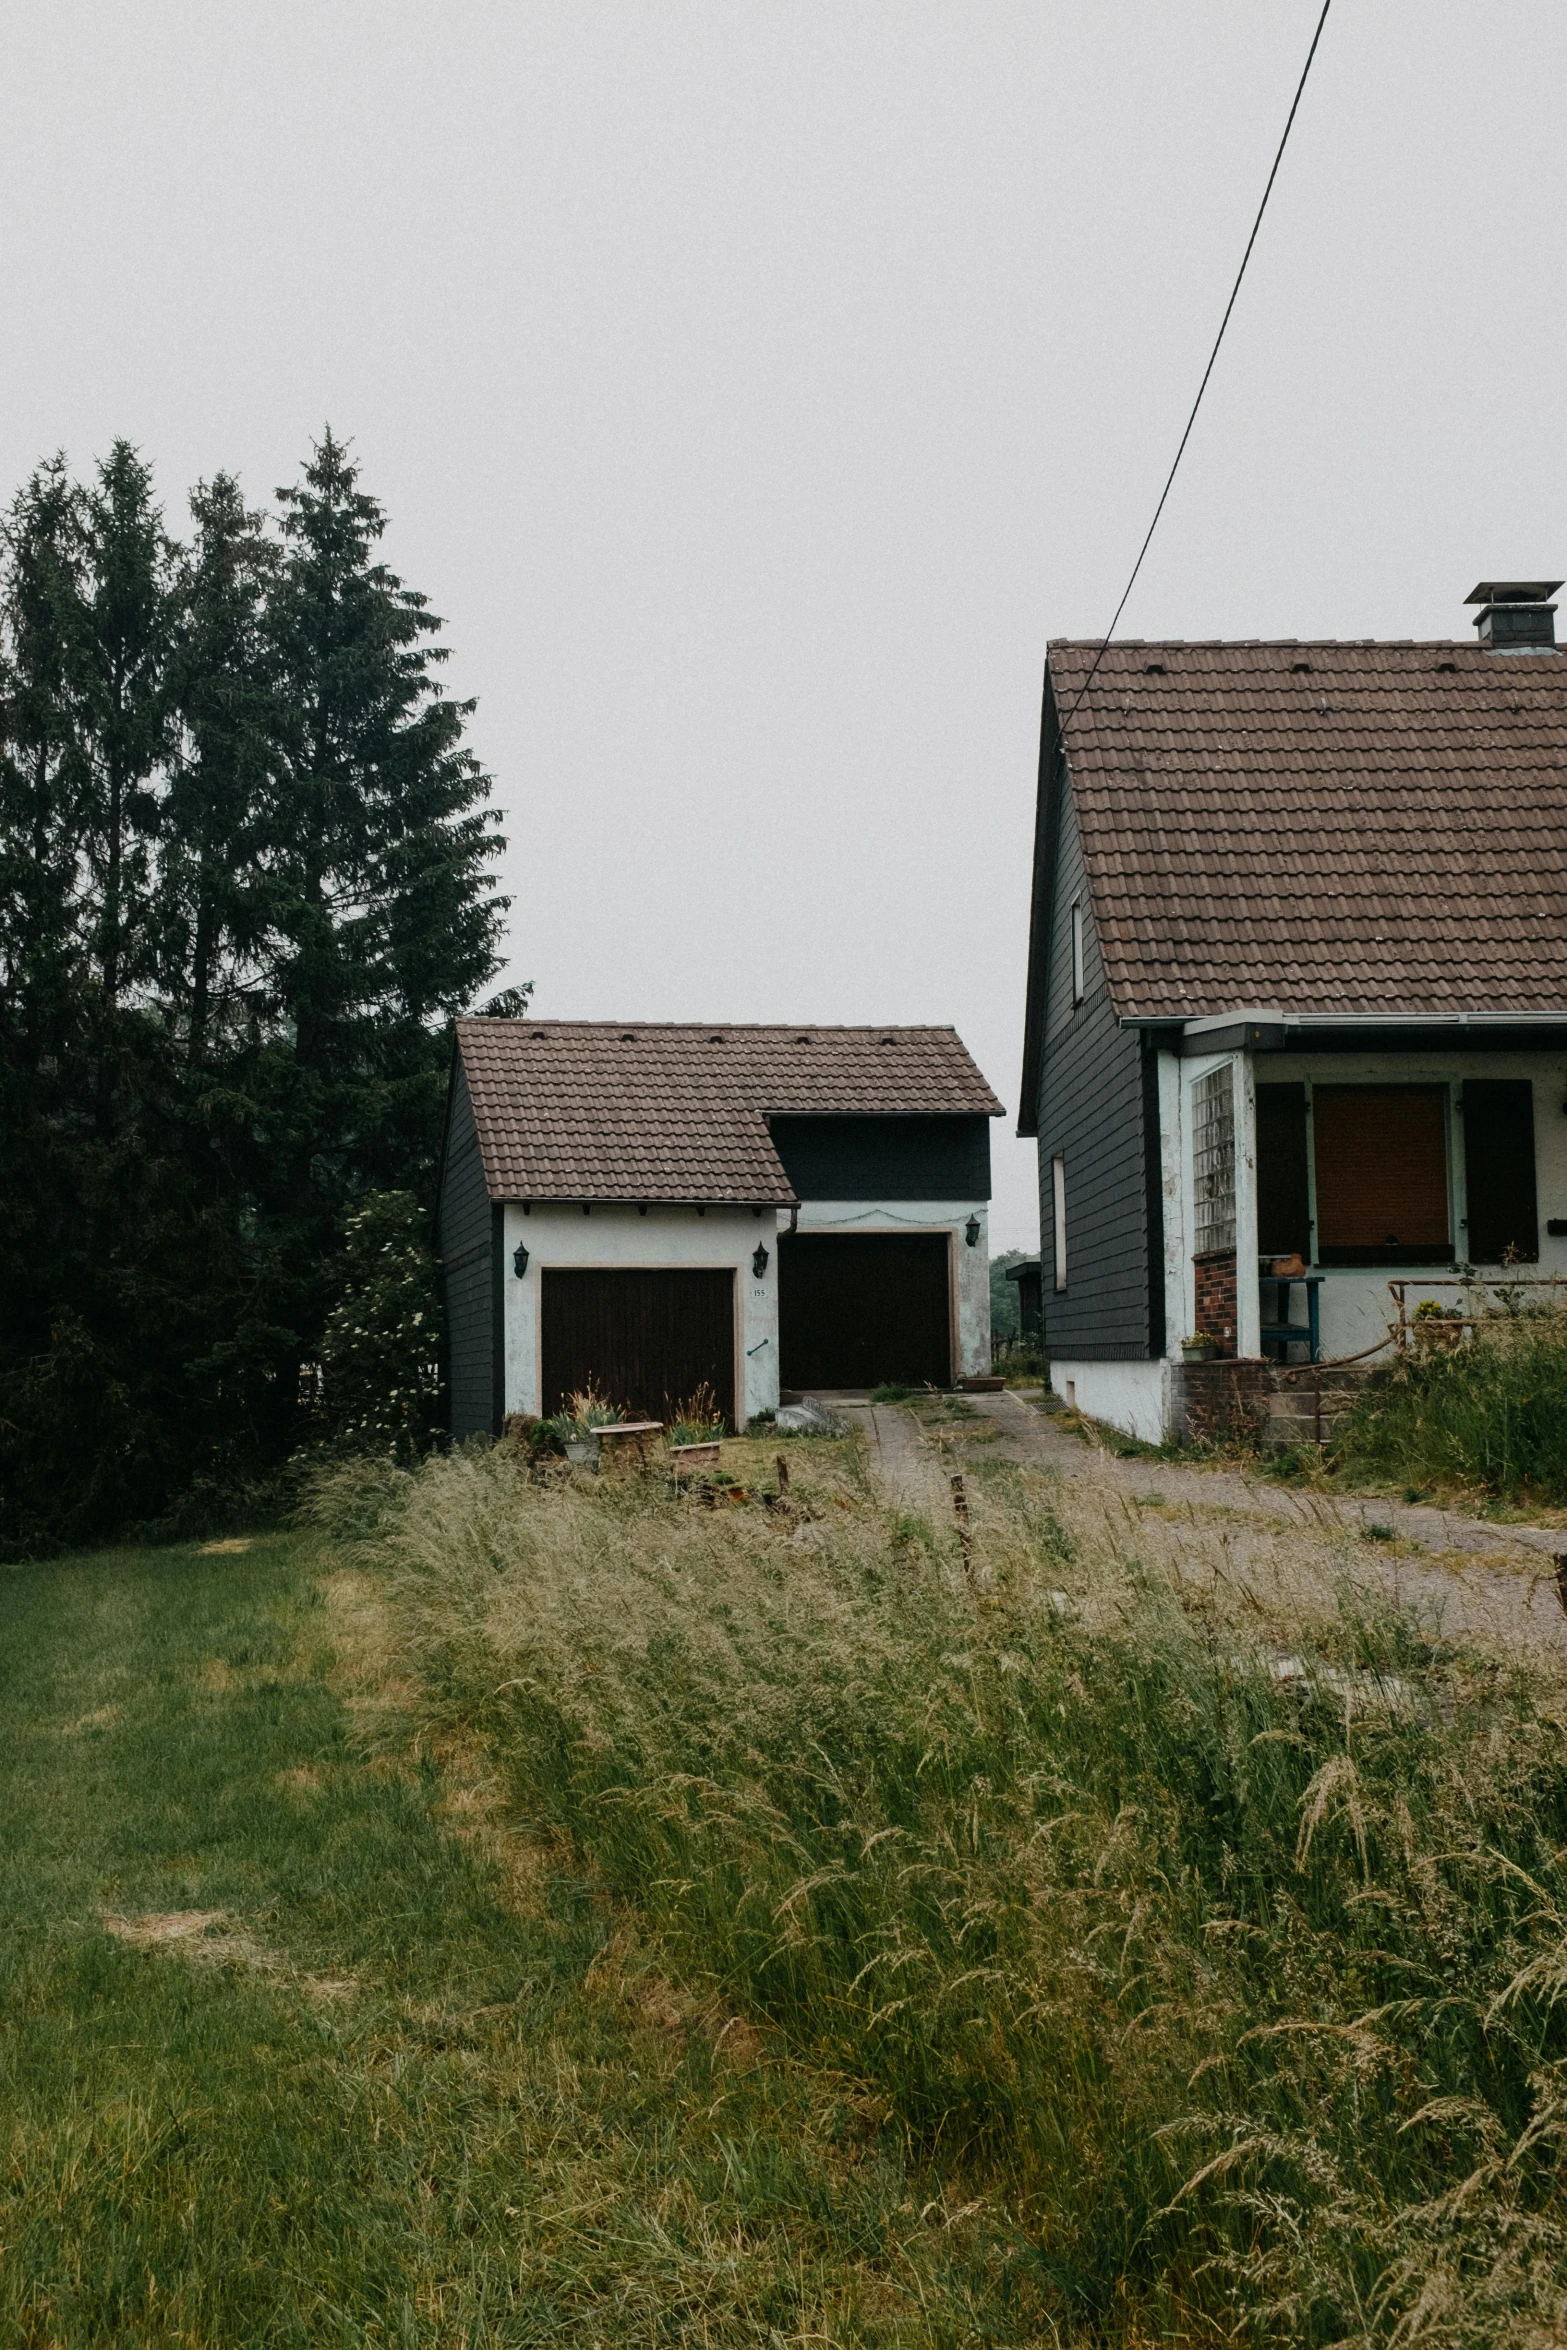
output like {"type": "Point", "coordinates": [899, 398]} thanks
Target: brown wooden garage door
{"type": "Point", "coordinates": [644, 1340]}
{"type": "Point", "coordinates": [855, 1309]}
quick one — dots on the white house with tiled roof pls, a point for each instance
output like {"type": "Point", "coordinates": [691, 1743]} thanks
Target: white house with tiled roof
{"type": "Point", "coordinates": [646, 1208]}
{"type": "Point", "coordinates": [1297, 995]}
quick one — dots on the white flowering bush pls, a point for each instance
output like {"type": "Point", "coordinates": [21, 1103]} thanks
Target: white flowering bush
{"type": "Point", "coordinates": [380, 1374]}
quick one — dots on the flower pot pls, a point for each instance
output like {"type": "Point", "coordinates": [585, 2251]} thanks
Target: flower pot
{"type": "Point", "coordinates": [584, 1450]}
{"type": "Point", "coordinates": [690, 1458]}
{"type": "Point", "coordinates": [1199, 1350]}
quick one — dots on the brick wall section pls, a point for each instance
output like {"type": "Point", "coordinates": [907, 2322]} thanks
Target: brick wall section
{"type": "Point", "coordinates": [1221, 1403]}
{"type": "Point", "coordinates": [1215, 1269]}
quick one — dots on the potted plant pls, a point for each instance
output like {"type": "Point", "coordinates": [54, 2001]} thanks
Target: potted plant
{"type": "Point", "coordinates": [695, 1433]}
{"type": "Point", "coordinates": [585, 1414]}
{"type": "Point", "coordinates": [1199, 1348]}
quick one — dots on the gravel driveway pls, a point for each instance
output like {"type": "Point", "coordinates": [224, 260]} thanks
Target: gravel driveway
{"type": "Point", "coordinates": [1504, 1586]}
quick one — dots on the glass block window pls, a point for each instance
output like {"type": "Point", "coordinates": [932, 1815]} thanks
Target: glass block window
{"type": "Point", "coordinates": [1213, 1159]}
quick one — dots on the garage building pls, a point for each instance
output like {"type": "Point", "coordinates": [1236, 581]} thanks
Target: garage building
{"type": "Point", "coordinates": [646, 1209]}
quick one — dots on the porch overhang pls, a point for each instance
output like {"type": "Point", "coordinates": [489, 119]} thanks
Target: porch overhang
{"type": "Point", "coordinates": [1265, 1030]}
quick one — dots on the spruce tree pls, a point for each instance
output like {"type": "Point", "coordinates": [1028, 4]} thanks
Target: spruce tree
{"type": "Point", "coordinates": [381, 843]}
{"type": "Point", "coordinates": [244, 887]}
{"type": "Point", "coordinates": [223, 700]}
{"type": "Point", "coordinates": [41, 903]}
{"type": "Point", "coordinates": [118, 679]}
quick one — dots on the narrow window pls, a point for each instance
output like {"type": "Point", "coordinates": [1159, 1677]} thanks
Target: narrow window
{"type": "Point", "coordinates": [1381, 1163]}
{"type": "Point", "coordinates": [1213, 1160]}
{"type": "Point", "coordinates": [1077, 954]}
{"type": "Point", "coordinates": [1058, 1211]}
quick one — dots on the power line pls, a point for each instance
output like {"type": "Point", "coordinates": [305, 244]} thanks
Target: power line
{"type": "Point", "coordinates": [1208, 370]}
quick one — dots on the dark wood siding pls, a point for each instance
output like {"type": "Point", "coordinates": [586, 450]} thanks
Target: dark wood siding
{"type": "Point", "coordinates": [1504, 1213]}
{"type": "Point", "coordinates": [885, 1158]}
{"type": "Point", "coordinates": [465, 1240]}
{"type": "Point", "coordinates": [646, 1340]}
{"type": "Point", "coordinates": [1283, 1191]}
{"type": "Point", "coordinates": [1096, 1098]}
{"type": "Point", "coordinates": [858, 1308]}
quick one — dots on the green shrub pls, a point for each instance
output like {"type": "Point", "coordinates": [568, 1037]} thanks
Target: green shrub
{"type": "Point", "coordinates": [1235, 1979]}
{"type": "Point", "coordinates": [1491, 1415]}
{"type": "Point", "coordinates": [379, 1383]}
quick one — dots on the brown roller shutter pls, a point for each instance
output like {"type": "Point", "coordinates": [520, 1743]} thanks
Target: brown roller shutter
{"type": "Point", "coordinates": [1504, 1225]}
{"type": "Point", "coordinates": [1381, 1161]}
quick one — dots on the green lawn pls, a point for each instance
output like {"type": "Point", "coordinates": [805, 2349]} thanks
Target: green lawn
{"type": "Point", "coordinates": [293, 2052]}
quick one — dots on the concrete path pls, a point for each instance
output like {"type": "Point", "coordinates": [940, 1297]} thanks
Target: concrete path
{"type": "Point", "coordinates": [1503, 1585]}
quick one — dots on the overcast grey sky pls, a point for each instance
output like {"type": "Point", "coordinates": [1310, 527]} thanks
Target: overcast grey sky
{"type": "Point", "coordinates": [755, 388]}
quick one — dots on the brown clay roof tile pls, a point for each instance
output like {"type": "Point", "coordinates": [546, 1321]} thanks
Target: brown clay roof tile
{"type": "Point", "coordinates": [1322, 827]}
{"type": "Point", "coordinates": [602, 1110]}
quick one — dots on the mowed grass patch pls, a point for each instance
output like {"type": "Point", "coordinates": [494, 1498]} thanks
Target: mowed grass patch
{"type": "Point", "coordinates": [301, 2046]}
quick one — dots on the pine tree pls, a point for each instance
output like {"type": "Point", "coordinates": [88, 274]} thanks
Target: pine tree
{"type": "Point", "coordinates": [118, 679]}
{"type": "Point", "coordinates": [40, 773]}
{"type": "Point", "coordinates": [213, 896]}
{"type": "Point", "coordinates": [380, 847]}
{"type": "Point", "coordinates": [244, 887]}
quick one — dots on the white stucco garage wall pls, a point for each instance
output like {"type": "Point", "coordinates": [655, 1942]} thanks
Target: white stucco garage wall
{"type": "Point", "coordinates": [620, 1238]}
{"type": "Point", "coordinates": [969, 1267]}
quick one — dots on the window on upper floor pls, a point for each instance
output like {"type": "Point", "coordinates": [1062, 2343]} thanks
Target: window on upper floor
{"type": "Point", "coordinates": [1078, 986]}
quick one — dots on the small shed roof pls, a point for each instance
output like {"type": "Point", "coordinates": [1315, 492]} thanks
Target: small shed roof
{"type": "Point", "coordinates": [641, 1110]}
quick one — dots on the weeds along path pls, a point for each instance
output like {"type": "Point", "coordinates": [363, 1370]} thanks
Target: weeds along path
{"type": "Point", "coordinates": [1492, 1583]}
{"type": "Point", "coordinates": [298, 2046]}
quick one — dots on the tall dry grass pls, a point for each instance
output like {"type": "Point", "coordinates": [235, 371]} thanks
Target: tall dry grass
{"type": "Point", "coordinates": [1234, 1984]}
{"type": "Point", "coordinates": [1490, 1415]}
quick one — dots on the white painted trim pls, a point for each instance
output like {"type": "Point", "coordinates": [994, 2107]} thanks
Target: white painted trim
{"type": "Point", "coordinates": [1248, 1290]}
{"type": "Point", "coordinates": [1179, 1306]}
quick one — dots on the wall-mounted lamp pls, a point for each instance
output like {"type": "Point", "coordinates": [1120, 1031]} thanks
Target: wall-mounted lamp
{"type": "Point", "coordinates": [519, 1260]}
{"type": "Point", "coordinates": [971, 1232]}
{"type": "Point", "coordinates": [759, 1261]}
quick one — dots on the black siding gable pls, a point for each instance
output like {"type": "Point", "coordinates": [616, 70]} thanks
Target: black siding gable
{"type": "Point", "coordinates": [938, 1158]}
{"type": "Point", "coordinates": [468, 1242]}
{"type": "Point", "coordinates": [1092, 1089]}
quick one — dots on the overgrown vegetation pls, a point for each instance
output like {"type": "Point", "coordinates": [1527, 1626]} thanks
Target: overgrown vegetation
{"type": "Point", "coordinates": [245, 860]}
{"type": "Point", "coordinates": [1218, 1962]}
{"type": "Point", "coordinates": [1490, 1416]}
{"type": "Point", "coordinates": [698, 1420]}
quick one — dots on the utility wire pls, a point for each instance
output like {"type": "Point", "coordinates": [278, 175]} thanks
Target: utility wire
{"type": "Point", "coordinates": [1208, 370]}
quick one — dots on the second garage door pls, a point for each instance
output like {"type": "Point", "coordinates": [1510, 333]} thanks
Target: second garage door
{"type": "Point", "coordinates": [644, 1340]}
{"type": "Point", "coordinates": [857, 1309]}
